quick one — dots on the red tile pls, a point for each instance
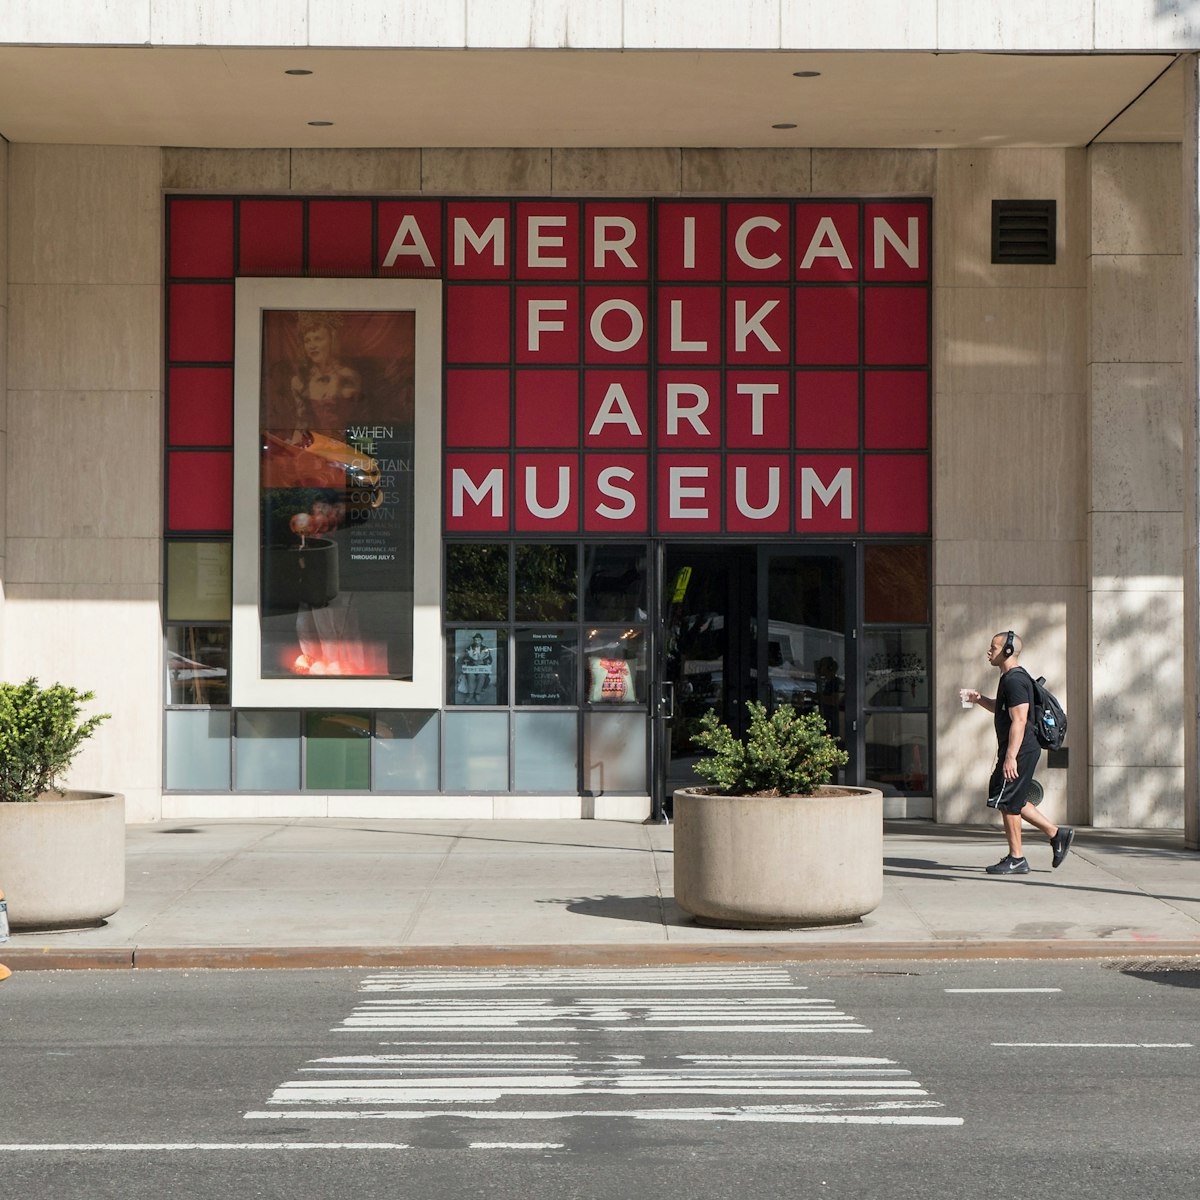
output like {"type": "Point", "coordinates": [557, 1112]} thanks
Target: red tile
{"type": "Point", "coordinates": [897, 321]}
{"type": "Point", "coordinates": [201, 234]}
{"type": "Point", "coordinates": [477, 408]}
{"type": "Point", "coordinates": [271, 237]}
{"type": "Point", "coordinates": [478, 324]}
{"type": "Point", "coordinates": [897, 493]}
{"type": "Point", "coordinates": [826, 410]}
{"type": "Point", "coordinates": [758, 493]}
{"type": "Point", "coordinates": [339, 237]}
{"type": "Point", "coordinates": [199, 491]}
{"type": "Point", "coordinates": [897, 410]}
{"type": "Point", "coordinates": [200, 406]}
{"type": "Point", "coordinates": [547, 409]}
{"type": "Point", "coordinates": [410, 235]}
{"type": "Point", "coordinates": [201, 322]}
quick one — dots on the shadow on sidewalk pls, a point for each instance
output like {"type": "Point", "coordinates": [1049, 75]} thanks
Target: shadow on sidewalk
{"type": "Point", "coordinates": [649, 910]}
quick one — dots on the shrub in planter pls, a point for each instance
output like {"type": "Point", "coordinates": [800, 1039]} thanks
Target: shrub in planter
{"type": "Point", "coordinates": [784, 753]}
{"type": "Point", "coordinates": [40, 733]}
{"type": "Point", "coordinates": [62, 862]}
{"type": "Point", "coordinates": [769, 844]}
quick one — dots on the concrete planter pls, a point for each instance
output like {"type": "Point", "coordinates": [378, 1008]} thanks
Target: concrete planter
{"type": "Point", "coordinates": [762, 862]}
{"type": "Point", "coordinates": [62, 859]}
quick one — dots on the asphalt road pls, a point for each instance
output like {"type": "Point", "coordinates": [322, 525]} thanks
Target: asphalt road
{"type": "Point", "coordinates": [888, 1080]}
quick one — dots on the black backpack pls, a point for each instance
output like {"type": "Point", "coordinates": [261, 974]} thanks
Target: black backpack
{"type": "Point", "coordinates": [1047, 716]}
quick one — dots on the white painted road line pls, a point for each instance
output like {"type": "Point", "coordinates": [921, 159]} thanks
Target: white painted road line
{"type": "Point", "coordinates": [674, 979]}
{"type": "Point", "coordinates": [157, 1147]}
{"type": "Point", "coordinates": [773, 1113]}
{"type": "Point", "coordinates": [517, 1145]}
{"type": "Point", "coordinates": [997, 990]}
{"type": "Point", "coordinates": [1101, 1045]}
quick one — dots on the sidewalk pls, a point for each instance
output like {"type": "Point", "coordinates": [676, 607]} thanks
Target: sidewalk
{"type": "Point", "coordinates": [304, 892]}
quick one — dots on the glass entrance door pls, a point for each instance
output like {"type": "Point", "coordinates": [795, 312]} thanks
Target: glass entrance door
{"type": "Point", "coordinates": [740, 623]}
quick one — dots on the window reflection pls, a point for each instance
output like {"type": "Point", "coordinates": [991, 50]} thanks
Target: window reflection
{"type": "Point", "coordinates": [547, 583]}
{"type": "Point", "coordinates": [476, 583]}
{"type": "Point", "coordinates": [198, 664]}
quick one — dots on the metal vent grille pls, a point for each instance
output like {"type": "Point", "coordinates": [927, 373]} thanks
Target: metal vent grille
{"type": "Point", "coordinates": [1023, 231]}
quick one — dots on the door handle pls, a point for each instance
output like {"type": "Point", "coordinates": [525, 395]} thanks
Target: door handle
{"type": "Point", "coordinates": [666, 701]}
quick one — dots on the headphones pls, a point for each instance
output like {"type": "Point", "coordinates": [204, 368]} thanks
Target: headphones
{"type": "Point", "coordinates": [1007, 651]}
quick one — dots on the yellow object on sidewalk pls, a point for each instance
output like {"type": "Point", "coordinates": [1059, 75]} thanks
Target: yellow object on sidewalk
{"type": "Point", "coordinates": [4, 972]}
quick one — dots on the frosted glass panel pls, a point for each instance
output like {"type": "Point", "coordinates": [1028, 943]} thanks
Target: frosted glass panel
{"type": "Point", "coordinates": [477, 752]}
{"type": "Point", "coordinates": [406, 752]}
{"type": "Point", "coordinates": [268, 751]}
{"type": "Point", "coordinates": [198, 751]}
{"type": "Point", "coordinates": [339, 751]}
{"type": "Point", "coordinates": [614, 752]}
{"type": "Point", "coordinates": [198, 581]}
{"type": "Point", "coordinates": [546, 755]}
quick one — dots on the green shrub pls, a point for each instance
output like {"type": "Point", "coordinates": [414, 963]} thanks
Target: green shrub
{"type": "Point", "coordinates": [40, 733]}
{"type": "Point", "coordinates": [782, 754]}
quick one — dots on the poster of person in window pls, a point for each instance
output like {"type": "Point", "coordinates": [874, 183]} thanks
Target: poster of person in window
{"type": "Point", "coordinates": [336, 531]}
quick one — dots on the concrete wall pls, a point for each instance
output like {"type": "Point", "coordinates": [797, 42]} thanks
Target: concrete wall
{"type": "Point", "coordinates": [1077, 25]}
{"type": "Point", "coordinates": [1082, 526]}
{"type": "Point", "coordinates": [1010, 491]}
{"type": "Point", "coordinates": [3, 388]}
{"type": "Point", "coordinates": [84, 480]}
{"type": "Point", "coordinates": [1136, 485]}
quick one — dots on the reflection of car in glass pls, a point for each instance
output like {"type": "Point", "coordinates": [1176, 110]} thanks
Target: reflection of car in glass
{"type": "Point", "coordinates": [319, 461]}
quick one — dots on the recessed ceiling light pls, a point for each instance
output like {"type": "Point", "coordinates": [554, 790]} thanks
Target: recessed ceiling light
{"type": "Point", "coordinates": [806, 74]}
{"type": "Point", "coordinates": [320, 122]}
{"type": "Point", "coordinates": [297, 71]}
{"type": "Point", "coordinates": [784, 125]}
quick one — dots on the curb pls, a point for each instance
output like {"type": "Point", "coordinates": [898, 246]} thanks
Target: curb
{"type": "Point", "coordinates": [22, 958]}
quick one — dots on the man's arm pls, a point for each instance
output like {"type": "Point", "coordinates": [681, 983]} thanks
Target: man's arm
{"type": "Point", "coordinates": [982, 700]}
{"type": "Point", "coordinates": [1016, 735]}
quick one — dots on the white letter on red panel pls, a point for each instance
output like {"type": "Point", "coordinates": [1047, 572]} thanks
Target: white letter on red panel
{"type": "Point", "coordinates": [537, 326]}
{"type": "Point", "coordinates": [810, 482]}
{"type": "Point", "coordinates": [826, 242]}
{"type": "Point", "coordinates": [744, 506]}
{"type": "Point", "coordinates": [462, 485]}
{"type": "Point", "coordinates": [604, 482]}
{"type": "Point", "coordinates": [743, 250]}
{"type": "Point", "coordinates": [679, 493]}
{"type": "Point", "coordinates": [463, 233]}
{"type": "Point", "coordinates": [756, 392]}
{"type": "Point", "coordinates": [744, 326]}
{"type": "Point", "coordinates": [604, 245]}
{"type": "Point", "coordinates": [677, 342]}
{"type": "Point", "coordinates": [909, 251]}
{"type": "Point", "coordinates": [539, 240]}
{"type": "Point", "coordinates": [615, 409]}
{"type": "Point", "coordinates": [564, 493]}
{"type": "Point", "coordinates": [691, 413]}
{"type": "Point", "coordinates": [636, 326]}
{"type": "Point", "coordinates": [408, 240]}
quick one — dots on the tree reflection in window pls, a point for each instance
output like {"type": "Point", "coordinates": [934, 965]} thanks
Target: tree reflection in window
{"type": "Point", "coordinates": [547, 583]}
{"type": "Point", "coordinates": [476, 582]}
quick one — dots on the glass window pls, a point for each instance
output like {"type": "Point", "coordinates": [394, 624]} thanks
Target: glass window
{"type": "Point", "coordinates": [614, 752]}
{"type": "Point", "coordinates": [406, 752]}
{"type": "Point", "coordinates": [198, 664]}
{"type": "Point", "coordinates": [337, 751]}
{"type": "Point", "coordinates": [615, 666]}
{"type": "Point", "coordinates": [547, 666]}
{"type": "Point", "coordinates": [897, 668]}
{"type": "Point", "coordinates": [546, 754]}
{"type": "Point", "coordinates": [476, 583]}
{"type": "Point", "coordinates": [267, 752]}
{"type": "Point", "coordinates": [478, 665]}
{"type": "Point", "coordinates": [614, 587]}
{"type": "Point", "coordinates": [896, 584]}
{"type": "Point", "coordinates": [198, 751]}
{"type": "Point", "coordinates": [198, 581]}
{"type": "Point", "coordinates": [898, 752]}
{"type": "Point", "coordinates": [476, 752]}
{"type": "Point", "coordinates": [546, 579]}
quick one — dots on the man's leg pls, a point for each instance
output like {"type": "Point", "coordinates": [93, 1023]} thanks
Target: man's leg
{"type": "Point", "coordinates": [1034, 817]}
{"type": "Point", "coordinates": [1012, 831]}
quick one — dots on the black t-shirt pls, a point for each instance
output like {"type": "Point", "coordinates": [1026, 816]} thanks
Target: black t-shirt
{"type": "Point", "coordinates": [1016, 688]}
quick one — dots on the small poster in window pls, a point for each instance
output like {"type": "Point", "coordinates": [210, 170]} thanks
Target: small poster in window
{"type": "Point", "coordinates": [475, 666]}
{"type": "Point", "coordinates": [611, 680]}
{"type": "Point", "coordinates": [545, 667]}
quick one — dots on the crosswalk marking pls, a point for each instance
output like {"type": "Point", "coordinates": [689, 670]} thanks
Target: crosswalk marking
{"type": "Point", "coordinates": [639, 1077]}
{"type": "Point", "coordinates": [682, 978]}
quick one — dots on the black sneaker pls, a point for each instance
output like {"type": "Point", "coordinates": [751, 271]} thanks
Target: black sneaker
{"type": "Point", "coordinates": [1060, 843]}
{"type": "Point", "coordinates": [1009, 866]}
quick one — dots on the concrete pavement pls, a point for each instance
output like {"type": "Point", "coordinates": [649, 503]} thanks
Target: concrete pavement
{"type": "Point", "coordinates": [306, 892]}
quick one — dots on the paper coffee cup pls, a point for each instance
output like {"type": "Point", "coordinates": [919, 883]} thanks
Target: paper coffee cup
{"type": "Point", "coordinates": [963, 694]}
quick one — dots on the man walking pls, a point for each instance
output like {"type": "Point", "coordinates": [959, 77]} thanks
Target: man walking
{"type": "Point", "coordinates": [1017, 754]}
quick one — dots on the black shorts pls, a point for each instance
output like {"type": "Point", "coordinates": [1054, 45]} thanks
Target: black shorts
{"type": "Point", "coordinates": [1014, 795]}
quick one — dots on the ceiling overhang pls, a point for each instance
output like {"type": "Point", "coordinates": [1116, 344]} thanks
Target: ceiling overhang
{"type": "Point", "coordinates": [538, 98]}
